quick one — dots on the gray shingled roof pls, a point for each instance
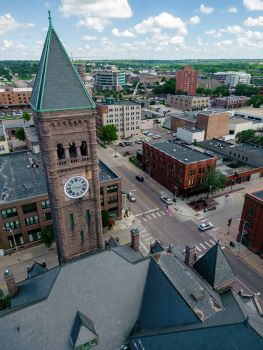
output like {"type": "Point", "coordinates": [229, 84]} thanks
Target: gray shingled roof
{"type": "Point", "coordinates": [79, 321]}
{"type": "Point", "coordinates": [58, 85]}
{"type": "Point", "coordinates": [214, 267]}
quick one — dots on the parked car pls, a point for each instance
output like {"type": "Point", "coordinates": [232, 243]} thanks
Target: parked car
{"type": "Point", "coordinates": [168, 132]}
{"type": "Point", "coordinates": [131, 197]}
{"type": "Point", "coordinates": [126, 143]}
{"type": "Point", "coordinates": [138, 141]}
{"type": "Point", "coordinates": [174, 134]}
{"type": "Point", "coordinates": [130, 143]}
{"type": "Point", "coordinates": [139, 178]}
{"type": "Point", "coordinates": [167, 200]}
{"type": "Point", "coordinates": [209, 208]}
{"type": "Point", "coordinates": [156, 136]}
{"type": "Point", "coordinates": [150, 134]}
{"type": "Point", "coordinates": [121, 144]}
{"type": "Point", "coordinates": [146, 132]}
{"type": "Point", "coordinates": [205, 226]}
{"type": "Point", "coordinates": [146, 140]}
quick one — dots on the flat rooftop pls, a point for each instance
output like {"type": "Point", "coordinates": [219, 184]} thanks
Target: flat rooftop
{"type": "Point", "coordinates": [182, 115]}
{"type": "Point", "coordinates": [182, 153]}
{"type": "Point", "coordinates": [213, 112]}
{"type": "Point", "coordinates": [258, 194]}
{"type": "Point", "coordinates": [31, 134]}
{"type": "Point", "coordinates": [18, 182]}
{"type": "Point", "coordinates": [250, 111]}
{"type": "Point", "coordinates": [250, 149]}
{"type": "Point", "coordinates": [239, 121]}
{"type": "Point", "coordinates": [122, 102]}
{"type": "Point", "coordinates": [191, 129]}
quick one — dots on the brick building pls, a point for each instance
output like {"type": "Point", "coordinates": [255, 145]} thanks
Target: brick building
{"type": "Point", "coordinates": [182, 170]}
{"type": "Point", "coordinates": [186, 80]}
{"type": "Point", "coordinates": [215, 124]}
{"type": "Point", "coordinates": [15, 97]}
{"type": "Point", "coordinates": [188, 103]}
{"type": "Point", "coordinates": [180, 120]}
{"type": "Point", "coordinates": [251, 220]}
{"type": "Point", "coordinates": [25, 204]}
{"type": "Point", "coordinates": [230, 102]}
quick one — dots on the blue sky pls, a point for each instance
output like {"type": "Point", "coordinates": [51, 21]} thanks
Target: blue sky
{"type": "Point", "coordinates": [134, 29]}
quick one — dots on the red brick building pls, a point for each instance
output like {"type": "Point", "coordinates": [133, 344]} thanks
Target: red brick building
{"type": "Point", "coordinates": [14, 97]}
{"type": "Point", "coordinates": [252, 222]}
{"type": "Point", "coordinates": [180, 169]}
{"type": "Point", "coordinates": [186, 80]}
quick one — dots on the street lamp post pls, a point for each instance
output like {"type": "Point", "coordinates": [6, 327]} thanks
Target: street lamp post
{"type": "Point", "coordinates": [12, 233]}
{"type": "Point", "coordinates": [242, 233]}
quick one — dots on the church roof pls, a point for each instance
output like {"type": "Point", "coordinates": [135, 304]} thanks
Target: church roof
{"type": "Point", "coordinates": [214, 267]}
{"type": "Point", "coordinates": [81, 320]}
{"type": "Point", "coordinates": [58, 85]}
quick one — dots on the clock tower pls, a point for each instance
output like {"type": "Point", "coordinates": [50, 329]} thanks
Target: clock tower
{"type": "Point", "coordinates": [64, 115]}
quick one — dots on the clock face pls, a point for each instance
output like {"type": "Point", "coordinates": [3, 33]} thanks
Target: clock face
{"type": "Point", "coordinates": [76, 187]}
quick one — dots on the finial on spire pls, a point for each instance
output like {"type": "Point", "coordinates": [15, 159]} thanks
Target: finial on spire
{"type": "Point", "coordinates": [49, 18]}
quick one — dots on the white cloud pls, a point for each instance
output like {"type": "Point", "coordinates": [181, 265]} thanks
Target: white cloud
{"type": "Point", "coordinates": [254, 22]}
{"type": "Point", "coordinates": [95, 23]}
{"type": "Point", "coordinates": [96, 8]}
{"type": "Point", "coordinates": [194, 20]}
{"type": "Point", "coordinates": [223, 43]}
{"type": "Point", "coordinates": [7, 23]}
{"type": "Point", "coordinates": [215, 33]}
{"type": "Point", "coordinates": [177, 40]}
{"type": "Point", "coordinates": [21, 46]}
{"type": "Point", "coordinates": [206, 10]}
{"type": "Point", "coordinates": [163, 21]}
{"type": "Point", "coordinates": [7, 44]}
{"type": "Point", "coordinates": [126, 33]}
{"type": "Point", "coordinates": [253, 5]}
{"type": "Point", "coordinates": [89, 37]}
{"type": "Point", "coordinates": [231, 9]}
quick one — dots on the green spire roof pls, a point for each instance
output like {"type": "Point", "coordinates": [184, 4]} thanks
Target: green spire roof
{"type": "Point", "coordinates": [214, 267]}
{"type": "Point", "coordinates": [58, 85]}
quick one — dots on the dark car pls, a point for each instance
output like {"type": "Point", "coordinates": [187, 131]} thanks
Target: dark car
{"type": "Point", "coordinates": [139, 178]}
{"type": "Point", "coordinates": [121, 144]}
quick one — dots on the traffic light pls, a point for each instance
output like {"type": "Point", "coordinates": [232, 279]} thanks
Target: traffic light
{"type": "Point", "coordinates": [229, 222]}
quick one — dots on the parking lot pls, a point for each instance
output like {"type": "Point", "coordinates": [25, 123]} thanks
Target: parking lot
{"type": "Point", "coordinates": [157, 134]}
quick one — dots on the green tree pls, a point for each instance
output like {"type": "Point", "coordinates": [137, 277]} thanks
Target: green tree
{"type": "Point", "coordinates": [246, 90]}
{"type": "Point", "coordinates": [221, 90]}
{"type": "Point", "coordinates": [256, 101]}
{"type": "Point", "coordinates": [108, 133]}
{"type": "Point", "coordinates": [26, 116]}
{"type": "Point", "coordinates": [48, 236]}
{"type": "Point", "coordinates": [246, 136]}
{"type": "Point", "coordinates": [167, 88]}
{"type": "Point", "coordinates": [105, 216]}
{"type": "Point", "coordinates": [215, 180]}
{"type": "Point", "coordinates": [4, 300]}
{"type": "Point", "coordinates": [20, 134]}
{"type": "Point", "coordinates": [152, 102]}
{"type": "Point", "coordinates": [204, 91]}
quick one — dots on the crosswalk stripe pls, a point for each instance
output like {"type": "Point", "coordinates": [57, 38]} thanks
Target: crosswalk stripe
{"type": "Point", "coordinates": [212, 241]}
{"type": "Point", "coordinates": [204, 220]}
{"type": "Point", "coordinates": [142, 245]}
{"type": "Point", "coordinates": [163, 212]}
{"type": "Point", "coordinates": [203, 246]}
{"type": "Point", "coordinates": [208, 244]}
{"type": "Point", "coordinates": [158, 214]}
{"type": "Point", "coordinates": [148, 217]}
{"type": "Point", "coordinates": [144, 219]}
{"type": "Point", "coordinates": [147, 239]}
{"type": "Point", "coordinates": [154, 216]}
{"type": "Point", "coordinates": [198, 248]}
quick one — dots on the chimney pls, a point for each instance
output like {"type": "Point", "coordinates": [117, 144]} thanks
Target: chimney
{"type": "Point", "coordinates": [10, 283]}
{"type": "Point", "coordinates": [190, 255]}
{"type": "Point", "coordinates": [135, 238]}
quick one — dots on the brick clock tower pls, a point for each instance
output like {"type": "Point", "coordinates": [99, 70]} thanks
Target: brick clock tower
{"type": "Point", "coordinates": [64, 115]}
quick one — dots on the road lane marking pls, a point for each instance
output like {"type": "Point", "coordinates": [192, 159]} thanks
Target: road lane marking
{"type": "Point", "coordinates": [198, 248]}
{"type": "Point", "coordinates": [208, 244]}
{"type": "Point", "coordinates": [148, 217]}
{"type": "Point", "coordinates": [215, 229]}
{"type": "Point", "coordinates": [163, 212]}
{"type": "Point", "coordinates": [203, 246]}
{"type": "Point", "coordinates": [144, 219]}
{"type": "Point", "coordinates": [158, 214]}
{"type": "Point", "coordinates": [147, 212]}
{"type": "Point", "coordinates": [212, 241]}
{"type": "Point", "coordinates": [154, 216]}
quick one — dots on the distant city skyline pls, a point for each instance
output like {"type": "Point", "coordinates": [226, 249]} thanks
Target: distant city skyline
{"type": "Point", "coordinates": [134, 29]}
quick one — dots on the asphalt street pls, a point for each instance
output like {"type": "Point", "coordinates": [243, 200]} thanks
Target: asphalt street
{"type": "Point", "coordinates": [178, 229]}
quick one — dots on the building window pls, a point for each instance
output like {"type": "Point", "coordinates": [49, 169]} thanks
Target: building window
{"type": "Point", "coordinates": [84, 148]}
{"type": "Point", "coordinates": [12, 225]}
{"type": "Point", "coordinates": [112, 199]}
{"type": "Point", "coordinates": [72, 150]}
{"type": "Point", "coordinates": [32, 220]}
{"type": "Point", "coordinates": [112, 188]}
{"type": "Point", "coordinates": [45, 204]}
{"type": "Point", "coordinates": [34, 235]}
{"type": "Point", "coordinates": [29, 208]}
{"type": "Point", "coordinates": [113, 212]}
{"type": "Point", "coordinates": [8, 213]}
{"type": "Point", "coordinates": [88, 216]}
{"type": "Point", "coordinates": [81, 236]}
{"type": "Point", "coordinates": [60, 151]}
{"type": "Point", "coordinates": [47, 216]}
{"type": "Point", "coordinates": [71, 220]}
{"type": "Point", "coordinates": [19, 239]}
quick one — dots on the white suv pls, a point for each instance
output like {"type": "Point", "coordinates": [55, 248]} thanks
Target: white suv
{"type": "Point", "coordinates": [205, 226]}
{"type": "Point", "coordinates": [167, 200]}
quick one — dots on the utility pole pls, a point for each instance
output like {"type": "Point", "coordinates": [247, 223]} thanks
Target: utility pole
{"type": "Point", "coordinates": [229, 225]}
{"type": "Point", "coordinates": [242, 234]}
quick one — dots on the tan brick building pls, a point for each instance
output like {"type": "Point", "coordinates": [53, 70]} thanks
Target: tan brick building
{"type": "Point", "coordinates": [14, 97]}
{"type": "Point", "coordinates": [215, 124]}
{"type": "Point", "coordinates": [188, 103]}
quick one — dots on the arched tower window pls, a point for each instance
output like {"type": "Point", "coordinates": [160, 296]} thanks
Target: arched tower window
{"type": "Point", "coordinates": [72, 150]}
{"type": "Point", "coordinates": [60, 151]}
{"type": "Point", "coordinates": [84, 148]}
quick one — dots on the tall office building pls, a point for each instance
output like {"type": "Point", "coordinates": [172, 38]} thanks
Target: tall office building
{"type": "Point", "coordinates": [64, 115]}
{"type": "Point", "coordinates": [108, 78]}
{"type": "Point", "coordinates": [186, 80]}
